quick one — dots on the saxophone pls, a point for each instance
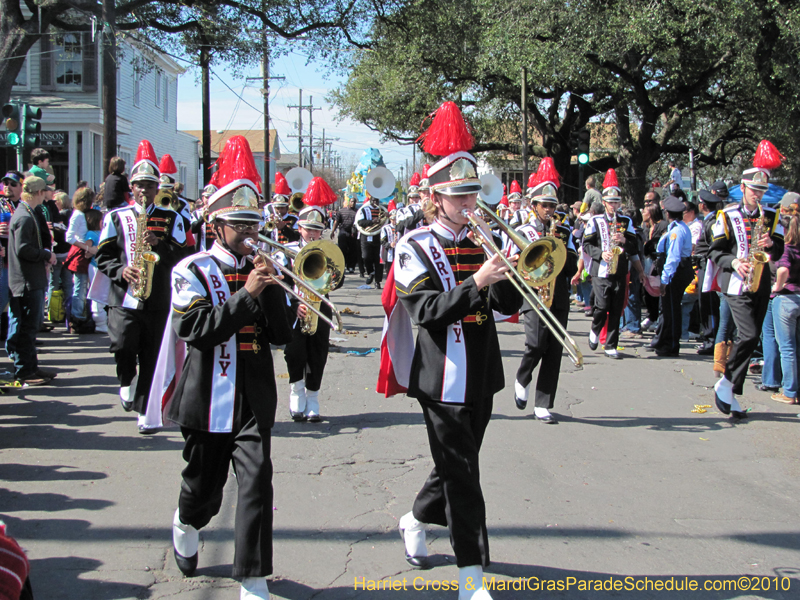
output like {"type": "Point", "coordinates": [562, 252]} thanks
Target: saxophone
{"type": "Point", "coordinates": [756, 258]}
{"type": "Point", "coordinates": [144, 259]}
{"type": "Point", "coordinates": [615, 249]}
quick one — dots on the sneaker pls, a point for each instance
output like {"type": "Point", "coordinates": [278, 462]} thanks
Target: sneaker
{"type": "Point", "coordinates": [646, 323]}
{"type": "Point", "coordinates": [32, 380]}
{"type": "Point", "coordinates": [785, 399]}
{"type": "Point", "coordinates": [631, 335]}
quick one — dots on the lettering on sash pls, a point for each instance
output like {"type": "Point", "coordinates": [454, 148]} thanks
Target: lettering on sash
{"type": "Point", "coordinates": [435, 253]}
{"type": "Point", "coordinates": [224, 364]}
{"type": "Point", "coordinates": [457, 331]}
{"type": "Point", "coordinates": [130, 227]}
{"type": "Point", "coordinates": [223, 353]}
{"type": "Point", "coordinates": [216, 282]}
{"type": "Point", "coordinates": [221, 297]}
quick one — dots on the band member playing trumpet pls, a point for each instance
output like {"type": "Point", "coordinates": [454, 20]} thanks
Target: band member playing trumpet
{"type": "Point", "coordinates": [136, 323]}
{"type": "Point", "coordinates": [226, 311]}
{"type": "Point", "coordinates": [519, 215]}
{"type": "Point", "coordinates": [610, 241]}
{"type": "Point", "coordinates": [284, 229]}
{"type": "Point", "coordinates": [367, 217]}
{"type": "Point", "coordinates": [540, 346]}
{"type": "Point", "coordinates": [307, 354]}
{"type": "Point", "coordinates": [449, 288]}
{"type": "Point", "coordinates": [746, 236]}
{"type": "Point", "coordinates": [202, 229]}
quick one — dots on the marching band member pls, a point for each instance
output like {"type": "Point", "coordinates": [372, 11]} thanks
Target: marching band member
{"type": "Point", "coordinates": [730, 264]}
{"type": "Point", "coordinates": [519, 215]}
{"type": "Point", "coordinates": [366, 216]}
{"type": "Point", "coordinates": [539, 343]}
{"type": "Point", "coordinates": [605, 235]}
{"type": "Point", "coordinates": [167, 181]}
{"type": "Point", "coordinates": [225, 315]}
{"type": "Point", "coordinates": [389, 237]}
{"type": "Point", "coordinates": [136, 326]}
{"type": "Point", "coordinates": [202, 229]}
{"type": "Point", "coordinates": [410, 217]}
{"type": "Point", "coordinates": [278, 211]}
{"type": "Point", "coordinates": [306, 355]}
{"type": "Point", "coordinates": [449, 288]}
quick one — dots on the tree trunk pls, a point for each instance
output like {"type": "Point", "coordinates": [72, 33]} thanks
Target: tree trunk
{"type": "Point", "coordinates": [17, 36]}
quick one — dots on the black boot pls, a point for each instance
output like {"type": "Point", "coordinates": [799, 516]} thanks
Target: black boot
{"type": "Point", "coordinates": [4, 326]}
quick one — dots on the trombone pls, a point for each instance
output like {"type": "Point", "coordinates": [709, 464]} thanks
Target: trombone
{"type": "Point", "coordinates": [311, 269]}
{"type": "Point", "coordinates": [539, 263]}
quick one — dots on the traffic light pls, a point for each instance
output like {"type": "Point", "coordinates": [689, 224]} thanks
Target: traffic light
{"type": "Point", "coordinates": [31, 127]}
{"type": "Point", "coordinates": [573, 143]}
{"type": "Point", "coordinates": [583, 145]}
{"type": "Point", "coordinates": [12, 125]}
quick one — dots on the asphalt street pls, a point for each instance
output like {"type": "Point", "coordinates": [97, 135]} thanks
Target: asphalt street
{"type": "Point", "coordinates": [630, 483]}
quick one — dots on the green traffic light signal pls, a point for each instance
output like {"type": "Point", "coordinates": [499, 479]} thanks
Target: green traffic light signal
{"type": "Point", "coordinates": [584, 137]}
{"type": "Point", "coordinates": [11, 122]}
{"type": "Point", "coordinates": [31, 127]}
{"type": "Point", "coordinates": [583, 158]}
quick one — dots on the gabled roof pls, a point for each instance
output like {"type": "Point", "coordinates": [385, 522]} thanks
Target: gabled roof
{"type": "Point", "coordinates": [255, 138]}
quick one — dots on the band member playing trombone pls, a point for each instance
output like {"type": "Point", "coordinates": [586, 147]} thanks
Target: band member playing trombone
{"type": "Point", "coordinates": [449, 288]}
{"type": "Point", "coordinates": [227, 311]}
{"type": "Point", "coordinates": [540, 345]}
{"type": "Point", "coordinates": [307, 353]}
{"type": "Point", "coordinates": [368, 219]}
{"type": "Point", "coordinates": [610, 241]}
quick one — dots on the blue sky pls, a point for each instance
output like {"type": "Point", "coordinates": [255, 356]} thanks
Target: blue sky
{"type": "Point", "coordinates": [228, 112]}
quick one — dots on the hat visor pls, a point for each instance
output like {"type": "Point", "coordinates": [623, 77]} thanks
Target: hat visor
{"type": "Point", "coordinates": [760, 187]}
{"type": "Point", "coordinates": [310, 225]}
{"type": "Point", "coordinates": [545, 199]}
{"type": "Point", "coordinates": [240, 215]}
{"type": "Point", "coordinates": [458, 189]}
{"type": "Point", "coordinates": [144, 177]}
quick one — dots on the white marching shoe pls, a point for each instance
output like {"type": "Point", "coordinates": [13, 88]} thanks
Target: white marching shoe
{"type": "Point", "coordinates": [470, 584]}
{"type": "Point", "coordinates": [125, 398]}
{"type": "Point", "coordinates": [413, 534]}
{"type": "Point", "coordinates": [312, 405]}
{"type": "Point", "coordinates": [185, 542]}
{"type": "Point", "coordinates": [254, 588]}
{"type": "Point", "coordinates": [297, 400]}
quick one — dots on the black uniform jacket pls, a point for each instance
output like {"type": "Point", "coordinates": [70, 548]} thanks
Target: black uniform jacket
{"type": "Point", "coordinates": [119, 227]}
{"type": "Point", "coordinates": [213, 331]}
{"type": "Point", "coordinates": [457, 355]}
{"type": "Point", "coordinates": [592, 245]}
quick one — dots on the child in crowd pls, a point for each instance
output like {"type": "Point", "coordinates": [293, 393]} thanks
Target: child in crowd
{"type": "Point", "coordinates": [94, 223]}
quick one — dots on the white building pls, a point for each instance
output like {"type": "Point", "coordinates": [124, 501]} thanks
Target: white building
{"type": "Point", "coordinates": [62, 76]}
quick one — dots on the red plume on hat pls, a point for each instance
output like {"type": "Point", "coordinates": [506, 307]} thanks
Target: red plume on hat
{"type": "Point", "coordinates": [236, 162]}
{"type": "Point", "coordinates": [547, 172]}
{"type": "Point", "coordinates": [610, 180]}
{"type": "Point", "coordinates": [504, 199]}
{"type": "Point", "coordinates": [281, 187]}
{"type": "Point", "coordinates": [532, 180]}
{"type": "Point", "coordinates": [415, 179]}
{"type": "Point", "coordinates": [392, 205]}
{"type": "Point", "coordinates": [515, 187]}
{"type": "Point", "coordinates": [146, 152]}
{"type": "Point", "coordinates": [767, 156]}
{"type": "Point", "coordinates": [167, 165]}
{"type": "Point", "coordinates": [319, 193]}
{"type": "Point", "coordinates": [448, 132]}
{"type": "Point", "coordinates": [425, 171]}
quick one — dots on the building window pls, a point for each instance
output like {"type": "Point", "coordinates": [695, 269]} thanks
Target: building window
{"type": "Point", "coordinates": [137, 84]}
{"type": "Point", "coordinates": [126, 156]}
{"type": "Point", "coordinates": [22, 77]}
{"type": "Point", "coordinates": [183, 175]}
{"type": "Point", "coordinates": [159, 77]}
{"type": "Point", "coordinates": [166, 98]}
{"type": "Point", "coordinates": [68, 57]}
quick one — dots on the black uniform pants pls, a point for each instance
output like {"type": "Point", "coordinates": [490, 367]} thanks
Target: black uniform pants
{"type": "Point", "coordinates": [452, 495]}
{"type": "Point", "coordinates": [306, 355]}
{"type": "Point", "coordinates": [609, 299]}
{"type": "Point", "coordinates": [371, 253]}
{"type": "Point", "coordinates": [540, 345]}
{"type": "Point", "coordinates": [348, 244]}
{"type": "Point", "coordinates": [208, 457]}
{"type": "Point", "coordinates": [668, 334]}
{"type": "Point", "coordinates": [136, 334]}
{"type": "Point", "coordinates": [748, 312]}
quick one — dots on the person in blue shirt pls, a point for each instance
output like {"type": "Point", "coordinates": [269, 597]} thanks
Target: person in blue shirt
{"type": "Point", "coordinates": [675, 250]}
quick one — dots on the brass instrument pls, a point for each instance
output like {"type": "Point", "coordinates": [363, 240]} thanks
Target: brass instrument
{"type": "Point", "coordinates": [546, 292]}
{"type": "Point", "coordinates": [319, 268]}
{"type": "Point", "coordinates": [539, 263]}
{"type": "Point", "coordinates": [756, 258]}
{"type": "Point", "coordinates": [144, 259]}
{"type": "Point", "coordinates": [166, 198]}
{"type": "Point", "coordinates": [376, 226]}
{"type": "Point", "coordinates": [615, 249]}
{"type": "Point", "coordinates": [271, 224]}
{"type": "Point", "coordinates": [296, 203]}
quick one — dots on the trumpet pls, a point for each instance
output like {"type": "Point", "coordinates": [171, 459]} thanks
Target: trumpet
{"type": "Point", "coordinates": [310, 271]}
{"type": "Point", "coordinates": [296, 203]}
{"type": "Point", "coordinates": [271, 224]}
{"type": "Point", "coordinates": [539, 263]}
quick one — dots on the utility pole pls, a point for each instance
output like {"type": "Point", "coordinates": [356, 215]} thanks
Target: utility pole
{"type": "Point", "coordinates": [205, 61]}
{"type": "Point", "coordinates": [414, 158]}
{"type": "Point", "coordinates": [109, 38]}
{"type": "Point", "coordinates": [265, 77]}
{"type": "Point", "coordinates": [524, 127]}
{"type": "Point", "coordinates": [310, 108]}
